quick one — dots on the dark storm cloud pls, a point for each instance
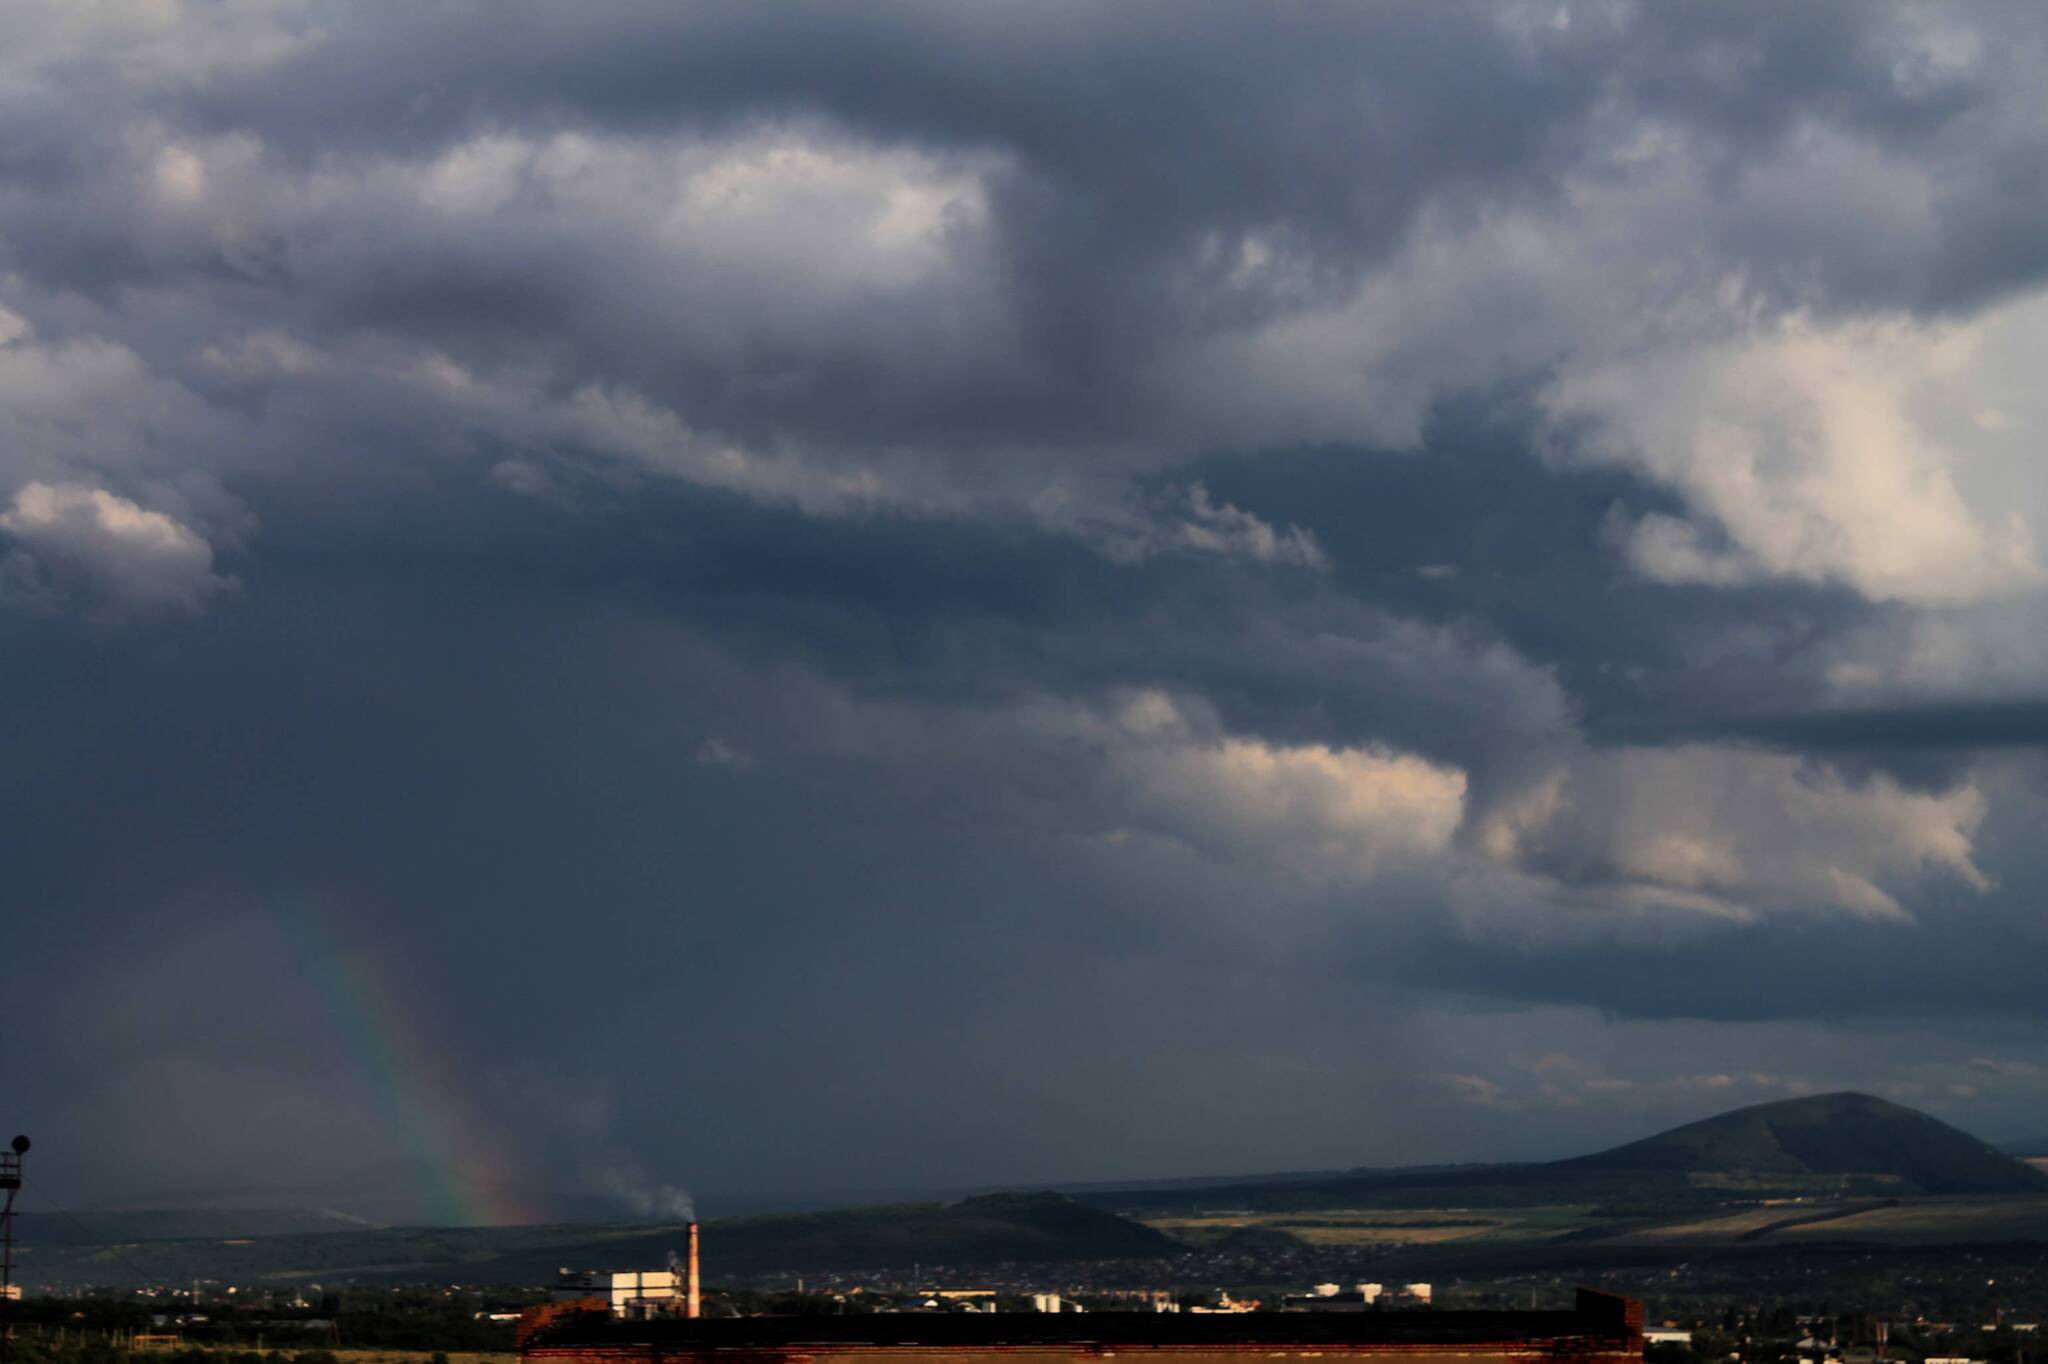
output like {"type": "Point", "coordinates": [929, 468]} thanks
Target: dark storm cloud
{"type": "Point", "coordinates": [509, 792]}
{"type": "Point", "coordinates": [1134, 135]}
{"type": "Point", "coordinates": [941, 578]}
{"type": "Point", "coordinates": [1470, 529]}
{"type": "Point", "coordinates": [1966, 962]}
{"type": "Point", "coordinates": [1984, 725]}
{"type": "Point", "coordinates": [1128, 167]}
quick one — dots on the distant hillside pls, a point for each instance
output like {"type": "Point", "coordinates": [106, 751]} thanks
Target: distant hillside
{"type": "Point", "coordinates": [1028, 1226]}
{"type": "Point", "coordinates": [384, 1194]}
{"type": "Point", "coordinates": [1827, 1134]}
{"type": "Point", "coordinates": [1039, 1226]}
{"type": "Point", "coordinates": [1819, 1144]}
{"type": "Point", "coordinates": [178, 1224]}
{"type": "Point", "coordinates": [1869, 1160]}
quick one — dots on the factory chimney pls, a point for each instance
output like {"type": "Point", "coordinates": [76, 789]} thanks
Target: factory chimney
{"type": "Point", "coordinates": [691, 1307]}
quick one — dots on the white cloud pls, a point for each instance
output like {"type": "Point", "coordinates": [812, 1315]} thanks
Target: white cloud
{"type": "Point", "coordinates": [1864, 448]}
{"type": "Point", "coordinates": [1220, 528]}
{"type": "Point", "coordinates": [1182, 519]}
{"type": "Point", "coordinates": [1317, 811]}
{"type": "Point", "coordinates": [1564, 842]}
{"type": "Point", "coordinates": [146, 43]}
{"type": "Point", "coordinates": [806, 205]}
{"type": "Point", "coordinates": [526, 477]}
{"type": "Point", "coordinates": [83, 548]}
{"type": "Point", "coordinates": [87, 405]}
{"type": "Point", "coordinates": [179, 175]}
{"type": "Point", "coordinates": [263, 354]}
{"type": "Point", "coordinates": [1735, 833]}
{"type": "Point", "coordinates": [14, 327]}
{"type": "Point", "coordinates": [716, 752]}
{"type": "Point", "coordinates": [618, 423]}
{"type": "Point", "coordinates": [80, 414]}
{"type": "Point", "coordinates": [1799, 449]}
{"type": "Point", "coordinates": [1995, 652]}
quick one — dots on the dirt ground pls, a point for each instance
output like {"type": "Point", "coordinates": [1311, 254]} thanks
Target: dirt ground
{"type": "Point", "coordinates": [421, 1357]}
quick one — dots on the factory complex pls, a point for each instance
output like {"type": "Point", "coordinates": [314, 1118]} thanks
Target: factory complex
{"type": "Point", "coordinates": [638, 1317]}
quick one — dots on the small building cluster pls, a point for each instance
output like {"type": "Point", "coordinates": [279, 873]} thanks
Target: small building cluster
{"type": "Point", "coordinates": [1365, 1297]}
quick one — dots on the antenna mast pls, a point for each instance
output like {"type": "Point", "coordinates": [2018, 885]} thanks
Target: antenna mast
{"type": "Point", "coordinates": [10, 1184]}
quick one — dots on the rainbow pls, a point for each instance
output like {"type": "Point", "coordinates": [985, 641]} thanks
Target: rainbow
{"type": "Point", "coordinates": [465, 1175]}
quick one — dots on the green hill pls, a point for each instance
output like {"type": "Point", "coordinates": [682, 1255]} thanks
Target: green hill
{"type": "Point", "coordinates": [1825, 1135]}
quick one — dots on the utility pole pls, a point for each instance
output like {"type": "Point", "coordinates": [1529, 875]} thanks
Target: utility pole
{"type": "Point", "coordinates": [10, 1184]}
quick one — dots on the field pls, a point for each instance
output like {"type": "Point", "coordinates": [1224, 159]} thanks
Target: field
{"type": "Point", "coordinates": [1774, 1221]}
{"type": "Point", "coordinates": [1381, 1226]}
{"type": "Point", "coordinates": [1887, 1221]}
{"type": "Point", "coordinates": [1915, 1221]}
{"type": "Point", "coordinates": [421, 1357]}
{"type": "Point", "coordinates": [367, 1356]}
{"type": "Point", "coordinates": [1938, 1221]}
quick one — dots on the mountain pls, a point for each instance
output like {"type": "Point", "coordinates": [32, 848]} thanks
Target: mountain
{"type": "Point", "coordinates": [1824, 1135]}
{"type": "Point", "coordinates": [1827, 1143]}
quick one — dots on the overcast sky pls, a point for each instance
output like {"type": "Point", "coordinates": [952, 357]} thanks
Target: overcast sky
{"type": "Point", "coordinates": [767, 597]}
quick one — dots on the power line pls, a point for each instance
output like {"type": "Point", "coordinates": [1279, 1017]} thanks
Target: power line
{"type": "Point", "coordinates": [88, 1238]}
